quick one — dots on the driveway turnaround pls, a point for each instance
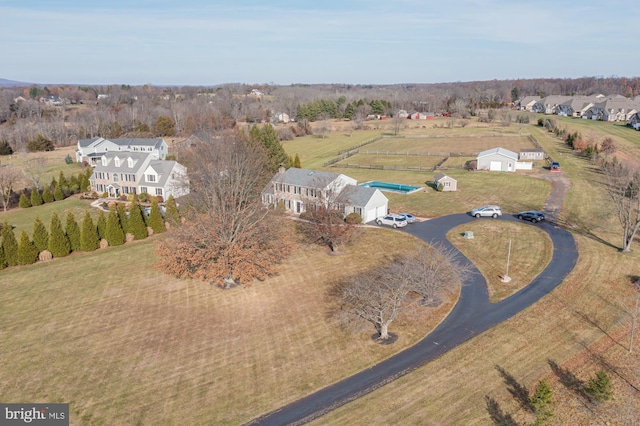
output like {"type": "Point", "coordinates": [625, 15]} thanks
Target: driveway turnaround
{"type": "Point", "coordinates": [472, 314]}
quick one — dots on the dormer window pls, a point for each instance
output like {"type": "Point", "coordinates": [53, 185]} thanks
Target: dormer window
{"type": "Point", "coordinates": [117, 162]}
{"type": "Point", "coordinates": [130, 162]}
{"type": "Point", "coordinates": [104, 161]}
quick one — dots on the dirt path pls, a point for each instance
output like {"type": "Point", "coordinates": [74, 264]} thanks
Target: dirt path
{"type": "Point", "coordinates": [560, 185]}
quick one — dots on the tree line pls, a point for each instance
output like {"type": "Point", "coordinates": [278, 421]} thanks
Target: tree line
{"type": "Point", "coordinates": [115, 228]}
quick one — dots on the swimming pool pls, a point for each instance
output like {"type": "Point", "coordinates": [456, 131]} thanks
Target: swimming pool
{"type": "Point", "coordinates": [394, 187]}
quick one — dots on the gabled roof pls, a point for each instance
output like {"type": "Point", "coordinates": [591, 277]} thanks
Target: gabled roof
{"type": "Point", "coordinates": [138, 157]}
{"type": "Point", "coordinates": [441, 175]}
{"type": "Point", "coordinates": [500, 151]}
{"type": "Point", "coordinates": [163, 169]}
{"type": "Point", "coordinates": [305, 178]}
{"type": "Point", "coordinates": [126, 142]}
{"type": "Point", "coordinates": [358, 196]}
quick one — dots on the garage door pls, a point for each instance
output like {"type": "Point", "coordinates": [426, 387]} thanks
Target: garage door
{"type": "Point", "coordinates": [495, 166]}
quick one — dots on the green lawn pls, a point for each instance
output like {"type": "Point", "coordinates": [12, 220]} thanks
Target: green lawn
{"type": "Point", "coordinates": [22, 219]}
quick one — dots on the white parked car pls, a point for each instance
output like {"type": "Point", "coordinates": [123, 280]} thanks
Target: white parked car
{"type": "Point", "coordinates": [489, 211]}
{"type": "Point", "coordinates": [394, 220]}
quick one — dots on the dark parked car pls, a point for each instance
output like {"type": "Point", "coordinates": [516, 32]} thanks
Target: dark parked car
{"type": "Point", "coordinates": [555, 167]}
{"type": "Point", "coordinates": [532, 215]}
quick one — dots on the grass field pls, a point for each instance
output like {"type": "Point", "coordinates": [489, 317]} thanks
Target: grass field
{"type": "Point", "coordinates": [127, 345]}
{"type": "Point", "coordinates": [531, 251]}
{"type": "Point", "coordinates": [23, 219]}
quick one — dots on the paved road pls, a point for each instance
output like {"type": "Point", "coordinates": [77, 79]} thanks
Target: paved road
{"type": "Point", "coordinates": [473, 314]}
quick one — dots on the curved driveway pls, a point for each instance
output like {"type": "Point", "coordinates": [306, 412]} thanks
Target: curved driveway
{"type": "Point", "coordinates": [472, 314]}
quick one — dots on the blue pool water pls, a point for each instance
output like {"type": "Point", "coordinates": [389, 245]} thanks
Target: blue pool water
{"type": "Point", "coordinates": [387, 186]}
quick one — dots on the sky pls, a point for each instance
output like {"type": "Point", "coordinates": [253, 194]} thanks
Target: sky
{"type": "Point", "coordinates": [202, 42]}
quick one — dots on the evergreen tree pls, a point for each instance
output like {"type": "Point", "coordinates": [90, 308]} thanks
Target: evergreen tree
{"type": "Point", "coordinates": [599, 388]}
{"type": "Point", "coordinates": [73, 232]}
{"type": "Point", "coordinates": [114, 233]}
{"type": "Point", "coordinates": [83, 182]}
{"type": "Point", "coordinates": [88, 234]}
{"type": "Point", "coordinates": [136, 223]}
{"type": "Point", "coordinates": [58, 195]}
{"type": "Point", "coordinates": [27, 251]}
{"type": "Point", "coordinates": [171, 213]}
{"type": "Point", "coordinates": [3, 263]}
{"type": "Point", "coordinates": [40, 235]}
{"type": "Point", "coordinates": [155, 220]}
{"type": "Point", "coordinates": [47, 196]}
{"type": "Point", "coordinates": [9, 245]}
{"type": "Point", "coordinates": [122, 217]}
{"type": "Point", "coordinates": [62, 180]}
{"type": "Point", "coordinates": [268, 138]}
{"type": "Point", "coordinates": [74, 186]}
{"type": "Point", "coordinates": [296, 162]}
{"type": "Point", "coordinates": [102, 225]}
{"type": "Point", "coordinates": [36, 198]}
{"type": "Point", "coordinates": [58, 242]}
{"type": "Point", "coordinates": [24, 202]}
{"type": "Point", "coordinates": [542, 402]}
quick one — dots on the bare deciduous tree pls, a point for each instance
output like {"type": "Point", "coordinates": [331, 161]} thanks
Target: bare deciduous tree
{"type": "Point", "coordinates": [623, 186]}
{"type": "Point", "coordinates": [228, 237]}
{"type": "Point", "coordinates": [8, 178]}
{"type": "Point", "coordinates": [35, 169]}
{"type": "Point", "coordinates": [398, 123]}
{"type": "Point", "coordinates": [380, 295]}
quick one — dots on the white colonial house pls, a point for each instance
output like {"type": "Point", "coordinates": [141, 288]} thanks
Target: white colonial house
{"type": "Point", "coordinates": [300, 189]}
{"type": "Point", "coordinates": [90, 150]}
{"type": "Point", "coordinates": [119, 173]}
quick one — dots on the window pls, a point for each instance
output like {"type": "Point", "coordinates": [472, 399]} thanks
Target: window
{"type": "Point", "coordinates": [151, 178]}
{"type": "Point", "coordinates": [133, 189]}
{"type": "Point", "coordinates": [125, 189]}
{"type": "Point", "coordinates": [143, 190]}
{"type": "Point", "coordinates": [115, 177]}
{"type": "Point", "coordinates": [297, 190]}
{"type": "Point", "coordinates": [158, 191]}
{"type": "Point", "coordinates": [106, 175]}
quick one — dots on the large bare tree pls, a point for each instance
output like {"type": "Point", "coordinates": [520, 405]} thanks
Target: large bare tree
{"type": "Point", "coordinates": [380, 295]}
{"type": "Point", "coordinates": [623, 186]}
{"type": "Point", "coordinates": [228, 237]}
{"type": "Point", "coordinates": [8, 178]}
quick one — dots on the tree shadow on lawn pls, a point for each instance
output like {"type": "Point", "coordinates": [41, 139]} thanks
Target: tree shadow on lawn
{"type": "Point", "coordinates": [568, 379]}
{"type": "Point", "coordinates": [498, 417]}
{"type": "Point", "coordinates": [517, 390]}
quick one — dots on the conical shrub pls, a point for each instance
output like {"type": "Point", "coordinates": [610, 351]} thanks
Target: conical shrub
{"type": "Point", "coordinates": [89, 240]}
{"type": "Point", "coordinates": [27, 251]}
{"type": "Point", "coordinates": [58, 242]}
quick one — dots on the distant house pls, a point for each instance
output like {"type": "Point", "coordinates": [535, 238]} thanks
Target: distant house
{"type": "Point", "coordinates": [527, 103]}
{"type": "Point", "coordinates": [448, 183]}
{"type": "Point", "coordinates": [402, 114]}
{"type": "Point", "coordinates": [300, 189]}
{"type": "Point", "coordinates": [535, 154]}
{"type": "Point", "coordinates": [421, 116]}
{"type": "Point", "coordinates": [280, 117]}
{"type": "Point", "coordinates": [497, 159]}
{"type": "Point", "coordinates": [548, 104]}
{"type": "Point", "coordinates": [90, 150]}
{"type": "Point", "coordinates": [123, 173]}
{"type": "Point", "coordinates": [634, 121]}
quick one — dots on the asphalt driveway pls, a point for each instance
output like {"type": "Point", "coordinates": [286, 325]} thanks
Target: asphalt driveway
{"type": "Point", "coordinates": [473, 314]}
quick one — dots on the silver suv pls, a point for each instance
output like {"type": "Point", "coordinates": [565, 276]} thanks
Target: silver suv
{"type": "Point", "coordinates": [395, 220]}
{"type": "Point", "coordinates": [492, 211]}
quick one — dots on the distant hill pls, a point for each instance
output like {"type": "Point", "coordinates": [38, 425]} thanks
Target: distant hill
{"type": "Point", "coordinates": [12, 83]}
